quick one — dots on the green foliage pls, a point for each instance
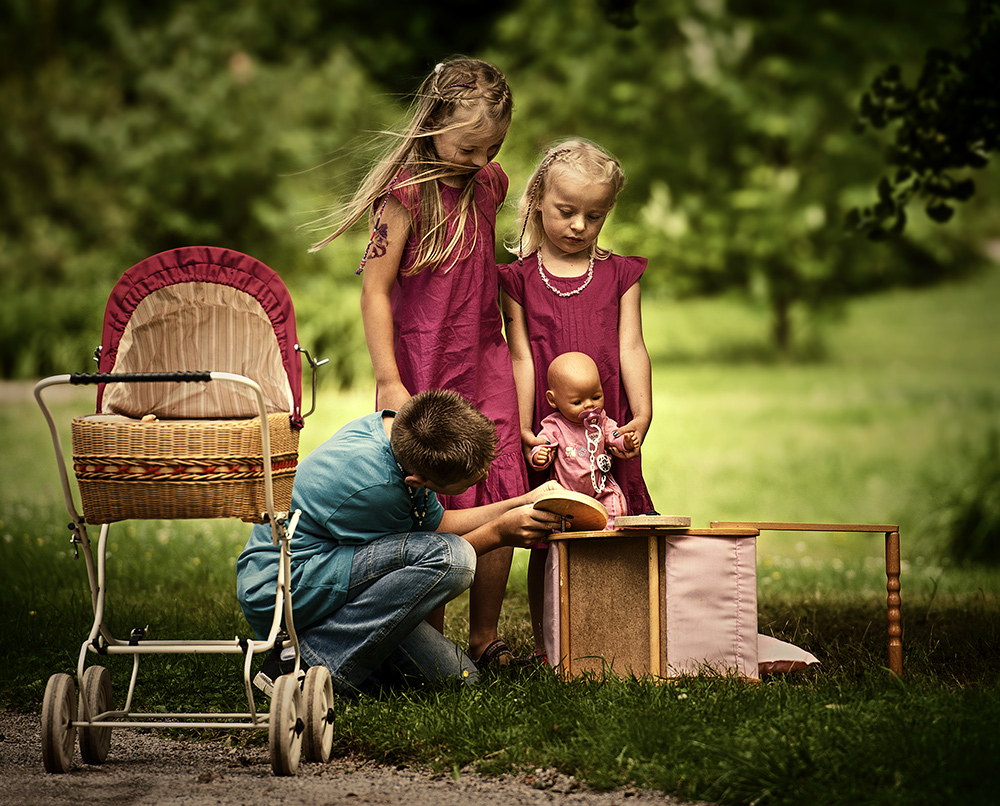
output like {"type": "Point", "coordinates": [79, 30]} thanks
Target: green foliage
{"type": "Point", "coordinates": [973, 514]}
{"type": "Point", "coordinates": [949, 121]}
{"type": "Point", "coordinates": [135, 127]}
{"type": "Point", "coordinates": [731, 121]}
{"type": "Point", "coordinates": [143, 130]}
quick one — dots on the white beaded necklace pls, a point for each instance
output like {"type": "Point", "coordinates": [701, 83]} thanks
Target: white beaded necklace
{"type": "Point", "coordinates": [548, 285]}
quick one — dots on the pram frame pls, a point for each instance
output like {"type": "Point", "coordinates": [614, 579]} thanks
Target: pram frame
{"type": "Point", "coordinates": [287, 730]}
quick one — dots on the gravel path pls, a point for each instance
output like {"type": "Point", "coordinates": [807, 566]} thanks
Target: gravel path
{"type": "Point", "coordinates": [152, 768]}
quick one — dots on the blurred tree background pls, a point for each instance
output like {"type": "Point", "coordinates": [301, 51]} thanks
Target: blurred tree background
{"type": "Point", "coordinates": [134, 127]}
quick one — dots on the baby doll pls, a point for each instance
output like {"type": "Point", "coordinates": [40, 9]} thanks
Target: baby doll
{"type": "Point", "coordinates": [578, 433]}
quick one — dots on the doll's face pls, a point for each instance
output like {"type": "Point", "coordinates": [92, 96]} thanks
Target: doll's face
{"type": "Point", "coordinates": [576, 394]}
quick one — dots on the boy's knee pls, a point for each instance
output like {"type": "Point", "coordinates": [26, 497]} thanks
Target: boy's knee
{"type": "Point", "coordinates": [456, 557]}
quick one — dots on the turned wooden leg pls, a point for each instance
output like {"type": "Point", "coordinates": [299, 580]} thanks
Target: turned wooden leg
{"type": "Point", "coordinates": [893, 601]}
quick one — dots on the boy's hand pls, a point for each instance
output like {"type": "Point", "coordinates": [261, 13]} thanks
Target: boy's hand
{"type": "Point", "coordinates": [524, 526]}
{"type": "Point", "coordinates": [540, 490]}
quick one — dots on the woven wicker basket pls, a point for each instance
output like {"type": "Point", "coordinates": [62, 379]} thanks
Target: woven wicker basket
{"type": "Point", "coordinates": [170, 469]}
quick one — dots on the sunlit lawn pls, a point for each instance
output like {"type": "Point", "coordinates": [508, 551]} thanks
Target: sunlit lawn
{"type": "Point", "coordinates": [883, 430]}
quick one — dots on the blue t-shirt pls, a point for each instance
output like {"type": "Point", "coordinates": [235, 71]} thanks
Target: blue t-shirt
{"type": "Point", "coordinates": [350, 491]}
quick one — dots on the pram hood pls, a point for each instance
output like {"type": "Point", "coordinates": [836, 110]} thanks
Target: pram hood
{"type": "Point", "coordinates": [200, 308]}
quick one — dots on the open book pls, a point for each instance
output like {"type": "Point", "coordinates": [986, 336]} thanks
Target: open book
{"type": "Point", "coordinates": [580, 512]}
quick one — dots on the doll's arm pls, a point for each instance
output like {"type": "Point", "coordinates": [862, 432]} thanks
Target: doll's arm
{"type": "Point", "coordinates": [516, 327]}
{"type": "Point", "coordinates": [376, 307]}
{"type": "Point", "coordinates": [543, 453]}
{"type": "Point", "coordinates": [542, 456]}
{"type": "Point", "coordinates": [635, 368]}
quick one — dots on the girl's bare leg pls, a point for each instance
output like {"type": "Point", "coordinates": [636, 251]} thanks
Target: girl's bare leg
{"type": "Point", "coordinates": [486, 599]}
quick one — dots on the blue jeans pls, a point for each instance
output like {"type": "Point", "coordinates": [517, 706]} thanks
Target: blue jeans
{"type": "Point", "coordinates": [379, 635]}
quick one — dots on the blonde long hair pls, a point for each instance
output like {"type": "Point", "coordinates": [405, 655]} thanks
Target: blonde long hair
{"type": "Point", "coordinates": [460, 83]}
{"type": "Point", "coordinates": [580, 156]}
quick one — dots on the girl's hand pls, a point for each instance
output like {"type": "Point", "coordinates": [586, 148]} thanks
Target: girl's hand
{"type": "Point", "coordinates": [633, 432]}
{"type": "Point", "coordinates": [392, 396]}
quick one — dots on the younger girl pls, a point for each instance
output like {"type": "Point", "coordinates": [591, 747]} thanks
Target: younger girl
{"type": "Point", "coordinates": [429, 293]}
{"type": "Point", "coordinates": [566, 294]}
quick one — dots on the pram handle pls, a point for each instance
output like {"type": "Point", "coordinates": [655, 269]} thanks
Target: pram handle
{"type": "Point", "coordinates": [79, 378]}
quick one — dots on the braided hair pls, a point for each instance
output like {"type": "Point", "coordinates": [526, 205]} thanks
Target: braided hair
{"type": "Point", "coordinates": [411, 159]}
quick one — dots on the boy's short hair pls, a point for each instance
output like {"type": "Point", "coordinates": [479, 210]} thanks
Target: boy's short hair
{"type": "Point", "coordinates": [444, 438]}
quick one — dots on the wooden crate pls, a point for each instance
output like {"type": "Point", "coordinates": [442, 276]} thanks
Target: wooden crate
{"type": "Point", "coordinates": [660, 602]}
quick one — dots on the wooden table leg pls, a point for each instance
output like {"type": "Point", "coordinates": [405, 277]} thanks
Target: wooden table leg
{"type": "Point", "coordinates": [895, 614]}
{"type": "Point", "coordinates": [653, 568]}
{"type": "Point", "coordinates": [565, 657]}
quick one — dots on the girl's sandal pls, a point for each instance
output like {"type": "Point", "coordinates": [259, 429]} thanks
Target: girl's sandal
{"type": "Point", "coordinates": [491, 657]}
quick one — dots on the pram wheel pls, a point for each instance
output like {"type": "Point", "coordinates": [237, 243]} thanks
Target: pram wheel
{"type": "Point", "coordinates": [58, 715]}
{"type": "Point", "coordinates": [95, 690]}
{"type": "Point", "coordinates": [318, 701]}
{"type": "Point", "coordinates": [285, 726]}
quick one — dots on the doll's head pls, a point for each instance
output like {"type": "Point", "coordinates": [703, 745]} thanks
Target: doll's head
{"type": "Point", "coordinates": [574, 386]}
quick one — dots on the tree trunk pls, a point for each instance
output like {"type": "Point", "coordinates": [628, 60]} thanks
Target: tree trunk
{"type": "Point", "coordinates": [781, 324]}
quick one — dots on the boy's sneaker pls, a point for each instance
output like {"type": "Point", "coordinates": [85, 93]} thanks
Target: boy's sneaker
{"type": "Point", "coordinates": [277, 663]}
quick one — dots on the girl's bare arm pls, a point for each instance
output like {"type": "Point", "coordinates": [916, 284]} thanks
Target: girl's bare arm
{"type": "Point", "coordinates": [635, 366]}
{"type": "Point", "coordinates": [380, 275]}
{"type": "Point", "coordinates": [516, 328]}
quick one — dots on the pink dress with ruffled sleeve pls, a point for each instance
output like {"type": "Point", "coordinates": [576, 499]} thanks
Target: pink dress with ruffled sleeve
{"type": "Point", "coordinates": [586, 323]}
{"type": "Point", "coordinates": [448, 331]}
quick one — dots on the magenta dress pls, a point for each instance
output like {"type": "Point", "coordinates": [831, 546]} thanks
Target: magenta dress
{"type": "Point", "coordinates": [448, 332]}
{"type": "Point", "coordinates": [585, 323]}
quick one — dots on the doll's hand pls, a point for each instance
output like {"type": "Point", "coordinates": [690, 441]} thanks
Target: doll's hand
{"type": "Point", "coordinates": [631, 442]}
{"type": "Point", "coordinates": [632, 434]}
{"type": "Point", "coordinates": [541, 457]}
{"type": "Point", "coordinates": [529, 441]}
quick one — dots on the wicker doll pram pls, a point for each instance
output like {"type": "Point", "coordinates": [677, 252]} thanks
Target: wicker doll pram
{"type": "Point", "coordinates": [198, 415]}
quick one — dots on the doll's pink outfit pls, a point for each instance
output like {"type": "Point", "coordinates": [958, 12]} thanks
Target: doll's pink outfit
{"type": "Point", "coordinates": [584, 322]}
{"type": "Point", "coordinates": [448, 329]}
{"type": "Point", "coordinates": [573, 459]}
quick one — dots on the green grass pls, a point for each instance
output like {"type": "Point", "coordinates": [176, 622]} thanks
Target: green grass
{"type": "Point", "coordinates": [886, 427]}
